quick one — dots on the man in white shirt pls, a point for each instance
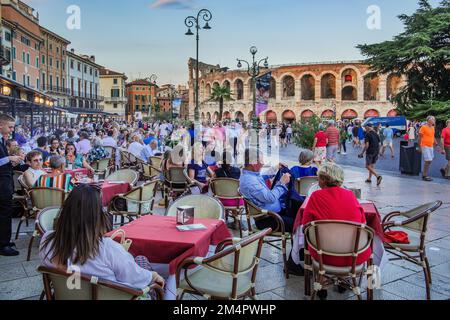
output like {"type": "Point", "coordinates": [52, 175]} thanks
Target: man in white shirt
{"type": "Point", "coordinates": [135, 148]}
{"type": "Point", "coordinates": [84, 145]}
{"type": "Point", "coordinates": [109, 140]}
{"type": "Point", "coordinates": [232, 134]}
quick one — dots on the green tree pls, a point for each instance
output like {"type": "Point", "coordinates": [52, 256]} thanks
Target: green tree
{"type": "Point", "coordinates": [305, 131]}
{"type": "Point", "coordinates": [220, 94]}
{"type": "Point", "coordinates": [421, 53]}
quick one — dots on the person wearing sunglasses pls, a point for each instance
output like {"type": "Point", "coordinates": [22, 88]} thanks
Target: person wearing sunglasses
{"type": "Point", "coordinates": [35, 171]}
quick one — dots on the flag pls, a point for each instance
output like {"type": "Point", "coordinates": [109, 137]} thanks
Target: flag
{"type": "Point", "coordinates": [262, 93]}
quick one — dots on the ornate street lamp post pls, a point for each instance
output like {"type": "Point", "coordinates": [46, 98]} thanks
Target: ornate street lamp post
{"type": "Point", "coordinates": [152, 79]}
{"type": "Point", "coordinates": [191, 22]}
{"type": "Point", "coordinates": [254, 70]}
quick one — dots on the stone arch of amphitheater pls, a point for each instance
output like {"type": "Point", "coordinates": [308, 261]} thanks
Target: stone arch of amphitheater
{"type": "Point", "coordinates": [301, 90]}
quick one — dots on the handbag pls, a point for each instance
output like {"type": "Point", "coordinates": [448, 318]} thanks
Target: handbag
{"type": "Point", "coordinates": [396, 237]}
{"type": "Point", "coordinates": [126, 243]}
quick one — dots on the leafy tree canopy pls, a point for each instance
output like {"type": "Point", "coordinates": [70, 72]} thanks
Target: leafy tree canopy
{"type": "Point", "coordinates": [421, 53]}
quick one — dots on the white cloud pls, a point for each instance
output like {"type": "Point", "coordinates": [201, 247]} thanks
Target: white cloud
{"type": "Point", "coordinates": [172, 4]}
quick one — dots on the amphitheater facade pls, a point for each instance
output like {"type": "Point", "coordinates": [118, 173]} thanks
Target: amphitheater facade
{"type": "Point", "coordinates": [298, 91]}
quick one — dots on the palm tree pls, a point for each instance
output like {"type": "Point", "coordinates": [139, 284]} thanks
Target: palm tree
{"type": "Point", "coordinates": [221, 94]}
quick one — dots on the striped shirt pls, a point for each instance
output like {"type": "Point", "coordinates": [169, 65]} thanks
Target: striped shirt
{"type": "Point", "coordinates": [62, 181]}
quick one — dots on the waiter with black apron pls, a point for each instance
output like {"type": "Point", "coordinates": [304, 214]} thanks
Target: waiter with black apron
{"type": "Point", "coordinates": [7, 162]}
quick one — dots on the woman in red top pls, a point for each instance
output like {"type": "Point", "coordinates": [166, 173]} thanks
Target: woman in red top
{"type": "Point", "coordinates": [320, 146]}
{"type": "Point", "coordinates": [334, 203]}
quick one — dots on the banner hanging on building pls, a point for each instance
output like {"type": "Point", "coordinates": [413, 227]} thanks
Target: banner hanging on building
{"type": "Point", "coordinates": [262, 93]}
{"type": "Point", "coordinates": [176, 106]}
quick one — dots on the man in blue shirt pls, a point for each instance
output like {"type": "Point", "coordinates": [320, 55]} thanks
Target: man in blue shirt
{"type": "Point", "coordinates": [253, 188]}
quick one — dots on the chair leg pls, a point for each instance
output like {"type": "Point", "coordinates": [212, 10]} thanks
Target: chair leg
{"type": "Point", "coordinates": [307, 274]}
{"type": "Point", "coordinates": [238, 219]}
{"type": "Point", "coordinates": [428, 269]}
{"type": "Point", "coordinates": [355, 285]}
{"type": "Point", "coordinates": [41, 297]}
{"type": "Point", "coordinates": [18, 228]}
{"type": "Point", "coordinates": [30, 247]}
{"type": "Point", "coordinates": [285, 258]}
{"type": "Point", "coordinates": [427, 276]}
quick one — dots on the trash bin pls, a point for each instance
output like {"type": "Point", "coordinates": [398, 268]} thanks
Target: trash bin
{"type": "Point", "coordinates": [410, 159]}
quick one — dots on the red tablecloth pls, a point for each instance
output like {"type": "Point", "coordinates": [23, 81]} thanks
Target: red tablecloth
{"type": "Point", "coordinates": [110, 190]}
{"type": "Point", "coordinates": [373, 217]}
{"type": "Point", "coordinates": [158, 239]}
{"type": "Point", "coordinates": [77, 172]}
{"type": "Point", "coordinates": [74, 173]}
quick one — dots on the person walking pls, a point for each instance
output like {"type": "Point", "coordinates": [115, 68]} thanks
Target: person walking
{"type": "Point", "coordinates": [388, 135]}
{"type": "Point", "coordinates": [427, 142]}
{"type": "Point", "coordinates": [372, 150]}
{"type": "Point", "coordinates": [343, 138]}
{"type": "Point", "coordinates": [445, 149]}
{"type": "Point", "coordinates": [333, 141]}
{"type": "Point", "coordinates": [7, 162]}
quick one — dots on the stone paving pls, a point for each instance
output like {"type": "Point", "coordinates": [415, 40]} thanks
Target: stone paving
{"type": "Point", "coordinates": [401, 280]}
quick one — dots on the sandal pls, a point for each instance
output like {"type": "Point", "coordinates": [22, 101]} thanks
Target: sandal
{"type": "Point", "coordinates": [428, 179]}
{"type": "Point", "coordinates": [379, 179]}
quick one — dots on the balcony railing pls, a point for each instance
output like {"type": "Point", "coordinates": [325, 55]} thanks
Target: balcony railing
{"type": "Point", "coordinates": [82, 95]}
{"type": "Point", "coordinates": [4, 60]}
{"type": "Point", "coordinates": [116, 100]}
{"type": "Point", "coordinates": [55, 89]}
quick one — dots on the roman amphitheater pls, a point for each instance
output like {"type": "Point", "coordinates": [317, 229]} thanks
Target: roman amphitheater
{"type": "Point", "coordinates": [298, 91]}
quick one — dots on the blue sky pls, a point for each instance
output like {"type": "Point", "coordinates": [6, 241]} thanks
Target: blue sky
{"type": "Point", "coordinates": [141, 37]}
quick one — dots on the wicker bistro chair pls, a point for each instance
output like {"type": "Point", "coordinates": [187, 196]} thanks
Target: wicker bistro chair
{"type": "Point", "coordinates": [149, 171]}
{"type": "Point", "coordinates": [415, 223]}
{"type": "Point", "coordinates": [102, 167]}
{"type": "Point", "coordinates": [279, 233]}
{"type": "Point", "coordinates": [127, 160]}
{"type": "Point", "coordinates": [302, 185]}
{"type": "Point", "coordinates": [205, 206]}
{"type": "Point", "coordinates": [112, 155]}
{"type": "Point", "coordinates": [156, 162]}
{"type": "Point", "coordinates": [175, 184]}
{"type": "Point", "coordinates": [42, 198]}
{"type": "Point", "coordinates": [91, 288]}
{"type": "Point", "coordinates": [126, 175]}
{"type": "Point", "coordinates": [25, 201]}
{"type": "Point", "coordinates": [139, 202]}
{"type": "Point", "coordinates": [337, 239]}
{"type": "Point", "coordinates": [229, 274]}
{"type": "Point", "coordinates": [228, 189]}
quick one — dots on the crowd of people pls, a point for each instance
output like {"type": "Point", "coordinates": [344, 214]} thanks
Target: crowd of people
{"type": "Point", "coordinates": [214, 150]}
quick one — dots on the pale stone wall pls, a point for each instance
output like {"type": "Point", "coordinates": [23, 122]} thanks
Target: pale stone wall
{"type": "Point", "coordinates": [295, 104]}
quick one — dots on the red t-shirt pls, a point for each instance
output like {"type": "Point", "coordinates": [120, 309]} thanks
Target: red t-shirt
{"type": "Point", "coordinates": [333, 136]}
{"type": "Point", "coordinates": [335, 204]}
{"type": "Point", "coordinates": [446, 137]}
{"type": "Point", "coordinates": [321, 139]}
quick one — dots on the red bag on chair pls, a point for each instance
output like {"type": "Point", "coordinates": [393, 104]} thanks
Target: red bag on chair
{"type": "Point", "coordinates": [396, 237]}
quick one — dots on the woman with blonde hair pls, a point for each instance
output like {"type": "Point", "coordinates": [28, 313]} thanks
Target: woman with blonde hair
{"type": "Point", "coordinates": [333, 202]}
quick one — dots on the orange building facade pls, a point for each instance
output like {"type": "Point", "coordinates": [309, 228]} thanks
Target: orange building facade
{"type": "Point", "coordinates": [141, 95]}
{"type": "Point", "coordinates": [22, 23]}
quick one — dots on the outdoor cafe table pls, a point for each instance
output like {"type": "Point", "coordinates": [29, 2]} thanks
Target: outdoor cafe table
{"type": "Point", "coordinates": [158, 239]}
{"type": "Point", "coordinates": [373, 220]}
{"type": "Point", "coordinates": [75, 173]}
{"type": "Point", "coordinates": [110, 190]}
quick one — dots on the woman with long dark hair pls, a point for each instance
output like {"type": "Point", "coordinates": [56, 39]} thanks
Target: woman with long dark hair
{"type": "Point", "coordinates": [75, 159]}
{"type": "Point", "coordinates": [78, 241]}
